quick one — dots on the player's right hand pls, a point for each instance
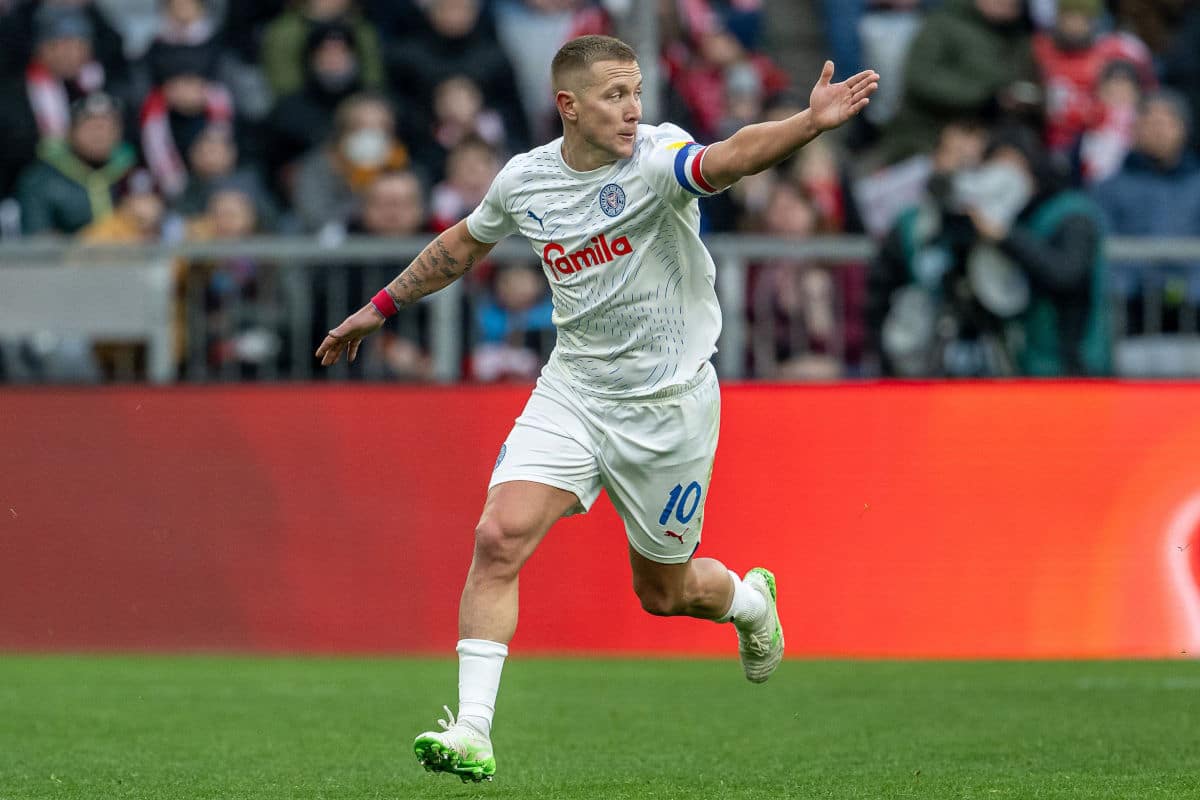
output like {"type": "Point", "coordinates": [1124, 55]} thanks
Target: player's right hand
{"type": "Point", "coordinates": [349, 335]}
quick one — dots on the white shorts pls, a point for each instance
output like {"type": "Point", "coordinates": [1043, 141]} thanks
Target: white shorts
{"type": "Point", "coordinates": [653, 455]}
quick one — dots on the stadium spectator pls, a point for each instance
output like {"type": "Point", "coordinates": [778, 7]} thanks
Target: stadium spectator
{"type": "Point", "coordinates": [842, 20]}
{"type": "Point", "coordinates": [136, 218]}
{"type": "Point", "coordinates": [805, 316]}
{"type": "Point", "coordinates": [71, 183]}
{"type": "Point", "coordinates": [191, 24]}
{"type": "Point", "coordinates": [513, 323]}
{"type": "Point", "coordinates": [744, 204]}
{"type": "Point", "coordinates": [283, 44]}
{"type": "Point", "coordinates": [1156, 193]}
{"type": "Point", "coordinates": [1104, 146]}
{"type": "Point", "coordinates": [245, 298]}
{"type": "Point", "coordinates": [743, 104]}
{"type": "Point", "coordinates": [459, 114]}
{"type": "Point", "coordinates": [457, 44]}
{"type": "Point", "coordinates": [1180, 65]}
{"type": "Point", "coordinates": [22, 31]}
{"type": "Point", "coordinates": [703, 67]}
{"type": "Point", "coordinates": [470, 169]}
{"type": "Point", "coordinates": [394, 18]}
{"type": "Point", "coordinates": [362, 147]}
{"type": "Point", "coordinates": [744, 99]}
{"type": "Point", "coordinates": [819, 172]}
{"type": "Point", "coordinates": [304, 119]}
{"type": "Point", "coordinates": [531, 31]}
{"type": "Point", "coordinates": [1056, 241]}
{"type": "Point", "coordinates": [1006, 277]}
{"type": "Point", "coordinates": [971, 58]}
{"type": "Point", "coordinates": [212, 162]}
{"type": "Point", "coordinates": [245, 25]}
{"type": "Point", "coordinates": [919, 263]}
{"type": "Point", "coordinates": [885, 31]}
{"type": "Point", "coordinates": [393, 205]}
{"type": "Point", "coordinates": [139, 217]}
{"type": "Point", "coordinates": [1073, 58]}
{"type": "Point", "coordinates": [1152, 21]}
{"type": "Point", "coordinates": [185, 101]}
{"type": "Point", "coordinates": [742, 18]}
{"type": "Point", "coordinates": [35, 101]}
{"type": "Point", "coordinates": [184, 22]}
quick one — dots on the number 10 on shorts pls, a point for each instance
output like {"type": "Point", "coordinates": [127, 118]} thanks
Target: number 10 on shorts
{"type": "Point", "coordinates": [683, 502]}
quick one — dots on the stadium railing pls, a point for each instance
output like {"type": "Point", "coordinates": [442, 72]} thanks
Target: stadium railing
{"type": "Point", "coordinates": [56, 287]}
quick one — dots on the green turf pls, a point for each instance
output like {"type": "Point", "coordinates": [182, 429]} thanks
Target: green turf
{"type": "Point", "coordinates": [164, 728]}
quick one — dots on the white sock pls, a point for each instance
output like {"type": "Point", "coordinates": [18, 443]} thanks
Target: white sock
{"type": "Point", "coordinates": [479, 665]}
{"type": "Point", "coordinates": [748, 606]}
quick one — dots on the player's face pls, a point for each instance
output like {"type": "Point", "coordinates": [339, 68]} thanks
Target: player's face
{"type": "Point", "coordinates": [611, 107]}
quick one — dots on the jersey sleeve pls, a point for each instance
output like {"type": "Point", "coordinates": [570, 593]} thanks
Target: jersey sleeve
{"type": "Point", "coordinates": [673, 164]}
{"type": "Point", "coordinates": [490, 221]}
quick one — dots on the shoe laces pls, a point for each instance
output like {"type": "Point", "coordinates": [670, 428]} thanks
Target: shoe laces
{"type": "Point", "coordinates": [756, 641]}
{"type": "Point", "coordinates": [447, 725]}
{"type": "Point", "coordinates": [461, 726]}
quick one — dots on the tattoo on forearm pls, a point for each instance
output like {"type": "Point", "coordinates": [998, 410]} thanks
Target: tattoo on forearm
{"type": "Point", "coordinates": [433, 269]}
{"type": "Point", "coordinates": [449, 264]}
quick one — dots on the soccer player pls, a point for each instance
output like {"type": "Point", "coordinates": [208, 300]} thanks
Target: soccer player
{"type": "Point", "coordinates": [628, 401]}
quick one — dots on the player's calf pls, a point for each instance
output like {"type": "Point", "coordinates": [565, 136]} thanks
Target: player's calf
{"type": "Point", "coordinates": [697, 588]}
{"type": "Point", "coordinates": [660, 601]}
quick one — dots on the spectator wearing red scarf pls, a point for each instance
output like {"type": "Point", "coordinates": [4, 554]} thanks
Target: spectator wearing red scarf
{"type": "Point", "coordinates": [1073, 58]}
{"type": "Point", "coordinates": [185, 101]}
{"type": "Point", "coordinates": [36, 105]}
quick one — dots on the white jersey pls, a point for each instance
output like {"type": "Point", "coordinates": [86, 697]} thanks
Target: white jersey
{"type": "Point", "coordinates": [633, 286]}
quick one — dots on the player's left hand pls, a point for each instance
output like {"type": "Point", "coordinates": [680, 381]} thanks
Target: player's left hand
{"type": "Point", "coordinates": [832, 104]}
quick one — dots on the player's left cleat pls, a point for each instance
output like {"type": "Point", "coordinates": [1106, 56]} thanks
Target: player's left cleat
{"type": "Point", "coordinates": [458, 749]}
{"type": "Point", "coordinates": [761, 647]}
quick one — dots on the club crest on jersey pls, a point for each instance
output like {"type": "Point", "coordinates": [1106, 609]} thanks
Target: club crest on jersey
{"type": "Point", "coordinates": [612, 199]}
{"type": "Point", "coordinates": [600, 252]}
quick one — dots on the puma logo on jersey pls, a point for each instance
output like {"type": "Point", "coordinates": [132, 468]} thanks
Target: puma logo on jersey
{"type": "Point", "coordinates": [538, 219]}
{"type": "Point", "coordinates": [600, 252]}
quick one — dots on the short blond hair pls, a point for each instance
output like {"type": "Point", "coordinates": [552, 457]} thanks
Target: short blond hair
{"type": "Point", "coordinates": [576, 57]}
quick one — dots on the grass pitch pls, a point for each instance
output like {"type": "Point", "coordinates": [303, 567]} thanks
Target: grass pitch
{"type": "Point", "coordinates": [207, 727]}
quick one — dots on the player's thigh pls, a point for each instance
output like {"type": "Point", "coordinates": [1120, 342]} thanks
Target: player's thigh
{"type": "Point", "coordinates": [551, 444]}
{"type": "Point", "coordinates": [517, 514]}
{"type": "Point", "coordinates": [657, 466]}
{"type": "Point", "coordinates": [546, 469]}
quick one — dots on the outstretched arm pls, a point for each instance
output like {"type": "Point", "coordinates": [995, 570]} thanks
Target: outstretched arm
{"type": "Point", "coordinates": [762, 145]}
{"type": "Point", "coordinates": [443, 261]}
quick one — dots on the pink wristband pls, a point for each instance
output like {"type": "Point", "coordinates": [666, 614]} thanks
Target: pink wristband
{"type": "Point", "coordinates": [384, 304]}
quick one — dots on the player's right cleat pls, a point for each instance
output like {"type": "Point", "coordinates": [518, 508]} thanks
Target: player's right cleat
{"type": "Point", "coordinates": [761, 647]}
{"type": "Point", "coordinates": [458, 749]}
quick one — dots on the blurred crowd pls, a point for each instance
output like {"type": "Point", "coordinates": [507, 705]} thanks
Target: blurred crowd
{"type": "Point", "coordinates": [1007, 139]}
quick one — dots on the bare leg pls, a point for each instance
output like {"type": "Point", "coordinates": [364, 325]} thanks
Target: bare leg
{"type": "Point", "coordinates": [515, 517]}
{"type": "Point", "coordinates": [700, 588]}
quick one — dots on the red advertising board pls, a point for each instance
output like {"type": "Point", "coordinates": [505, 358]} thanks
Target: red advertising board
{"type": "Point", "coordinates": [913, 520]}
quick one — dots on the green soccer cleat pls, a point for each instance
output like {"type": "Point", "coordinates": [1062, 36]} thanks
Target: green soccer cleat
{"type": "Point", "coordinates": [761, 648]}
{"type": "Point", "coordinates": [458, 749]}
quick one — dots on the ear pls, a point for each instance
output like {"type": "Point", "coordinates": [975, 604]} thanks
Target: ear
{"type": "Point", "coordinates": [566, 103]}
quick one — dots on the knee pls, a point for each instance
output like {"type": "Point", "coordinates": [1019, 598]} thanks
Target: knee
{"type": "Point", "coordinates": [659, 600]}
{"type": "Point", "coordinates": [498, 547]}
